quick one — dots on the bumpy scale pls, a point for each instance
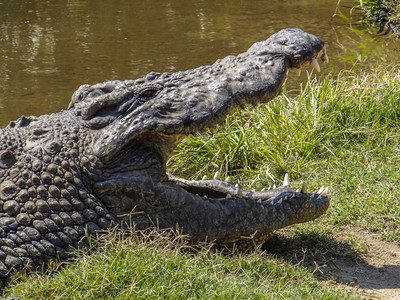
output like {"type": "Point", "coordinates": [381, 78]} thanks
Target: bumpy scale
{"type": "Point", "coordinates": [46, 206]}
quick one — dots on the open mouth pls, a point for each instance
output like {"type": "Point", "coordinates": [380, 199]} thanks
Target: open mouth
{"type": "Point", "coordinates": [154, 165]}
{"type": "Point", "coordinates": [134, 149]}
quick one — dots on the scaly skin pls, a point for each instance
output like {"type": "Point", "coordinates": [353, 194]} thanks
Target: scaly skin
{"type": "Point", "coordinates": [75, 173]}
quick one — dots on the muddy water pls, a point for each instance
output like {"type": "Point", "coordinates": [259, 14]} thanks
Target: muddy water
{"type": "Point", "coordinates": [49, 48]}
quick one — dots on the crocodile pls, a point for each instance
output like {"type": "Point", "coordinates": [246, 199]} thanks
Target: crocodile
{"type": "Point", "coordinates": [101, 163]}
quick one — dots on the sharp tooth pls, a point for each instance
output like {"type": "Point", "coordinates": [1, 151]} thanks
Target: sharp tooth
{"type": "Point", "coordinates": [286, 181]}
{"type": "Point", "coordinates": [321, 190]}
{"type": "Point", "coordinates": [228, 196]}
{"type": "Point", "coordinates": [253, 190]}
{"type": "Point", "coordinates": [274, 186]}
{"type": "Point", "coordinates": [298, 191]}
{"type": "Point", "coordinates": [263, 189]}
{"type": "Point", "coordinates": [304, 188]}
{"type": "Point", "coordinates": [217, 176]}
{"type": "Point", "coordinates": [315, 65]}
{"type": "Point", "coordinates": [325, 57]}
{"type": "Point", "coordinates": [298, 72]}
{"type": "Point", "coordinates": [287, 72]}
{"type": "Point", "coordinates": [228, 179]}
{"type": "Point", "coordinates": [204, 177]}
{"type": "Point", "coordinates": [259, 201]}
{"type": "Point", "coordinates": [237, 185]}
{"type": "Point", "coordinates": [325, 192]}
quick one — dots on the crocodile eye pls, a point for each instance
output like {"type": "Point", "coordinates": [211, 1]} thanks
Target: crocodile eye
{"type": "Point", "coordinates": [148, 93]}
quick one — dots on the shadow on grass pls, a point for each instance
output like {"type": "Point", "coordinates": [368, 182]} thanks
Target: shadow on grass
{"type": "Point", "coordinates": [331, 259]}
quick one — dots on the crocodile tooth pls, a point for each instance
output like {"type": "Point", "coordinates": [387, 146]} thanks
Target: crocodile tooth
{"type": "Point", "coordinates": [325, 192]}
{"type": "Point", "coordinates": [286, 181]}
{"type": "Point", "coordinates": [325, 57]}
{"type": "Point", "coordinates": [228, 179]}
{"type": "Point", "coordinates": [304, 188]}
{"type": "Point", "coordinates": [259, 201]}
{"type": "Point", "coordinates": [298, 191]}
{"type": "Point", "coordinates": [253, 190]}
{"type": "Point", "coordinates": [315, 65]}
{"type": "Point", "coordinates": [204, 177]}
{"type": "Point", "coordinates": [298, 72]}
{"type": "Point", "coordinates": [321, 190]}
{"type": "Point", "coordinates": [217, 176]}
{"type": "Point", "coordinates": [228, 196]}
{"type": "Point", "coordinates": [274, 186]}
{"type": "Point", "coordinates": [237, 185]}
{"type": "Point", "coordinates": [263, 189]}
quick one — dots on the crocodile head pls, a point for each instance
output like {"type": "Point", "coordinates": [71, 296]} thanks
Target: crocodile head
{"type": "Point", "coordinates": [134, 125]}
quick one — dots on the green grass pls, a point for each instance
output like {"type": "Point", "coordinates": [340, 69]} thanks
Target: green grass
{"type": "Point", "coordinates": [140, 267]}
{"type": "Point", "coordinates": [390, 8]}
{"type": "Point", "coordinates": [341, 132]}
{"type": "Point", "coordinates": [289, 135]}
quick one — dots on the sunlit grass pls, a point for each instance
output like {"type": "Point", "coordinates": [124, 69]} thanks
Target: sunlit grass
{"type": "Point", "coordinates": [290, 135]}
{"type": "Point", "coordinates": [154, 266]}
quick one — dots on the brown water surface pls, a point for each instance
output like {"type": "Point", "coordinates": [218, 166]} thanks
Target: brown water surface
{"type": "Point", "coordinates": [49, 48]}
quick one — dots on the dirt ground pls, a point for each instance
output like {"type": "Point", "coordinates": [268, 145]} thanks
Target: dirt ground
{"type": "Point", "coordinates": [373, 274]}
